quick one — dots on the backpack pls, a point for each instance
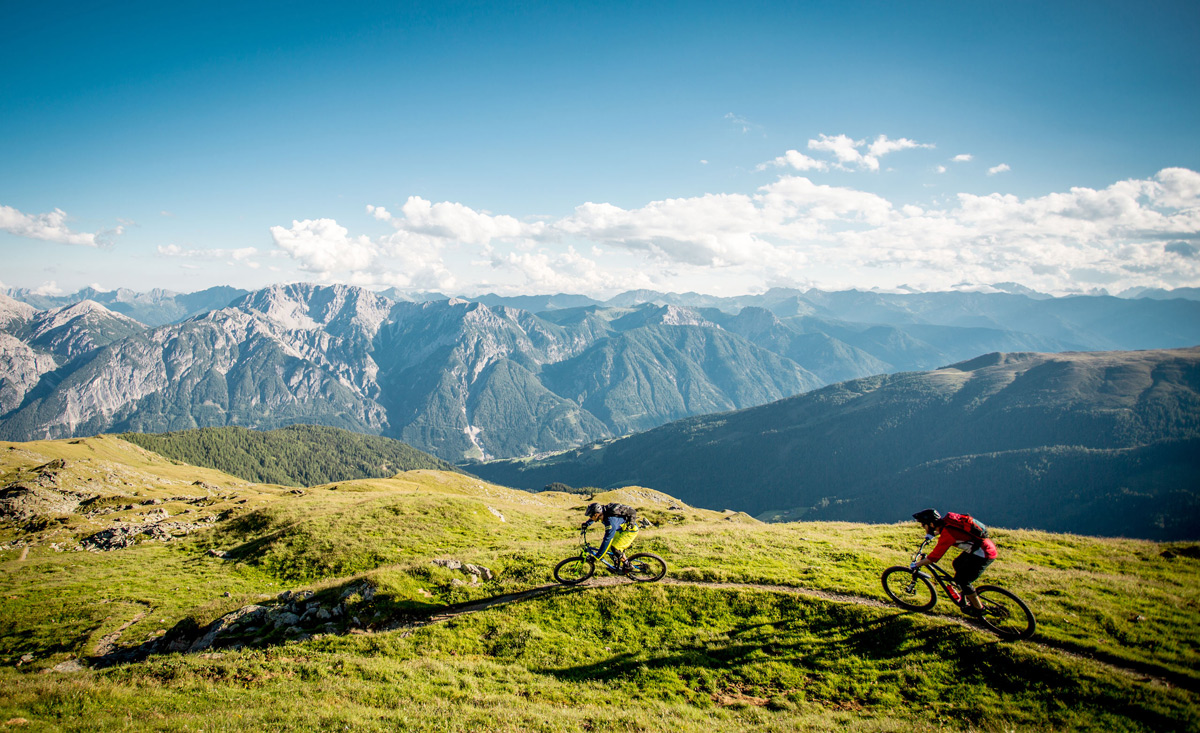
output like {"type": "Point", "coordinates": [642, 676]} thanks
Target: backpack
{"type": "Point", "coordinates": [966, 523]}
{"type": "Point", "coordinates": [621, 510]}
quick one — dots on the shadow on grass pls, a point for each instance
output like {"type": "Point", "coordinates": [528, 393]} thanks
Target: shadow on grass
{"type": "Point", "coordinates": [188, 637]}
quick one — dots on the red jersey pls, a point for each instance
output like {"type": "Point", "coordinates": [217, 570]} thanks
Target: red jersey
{"type": "Point", "coordinates": [963, 541]}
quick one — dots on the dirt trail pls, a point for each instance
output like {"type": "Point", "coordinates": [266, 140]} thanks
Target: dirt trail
{"type": "Point", "coordinates": [108, 644]}
{"type": "Point", "coordinates": [1139, 672]}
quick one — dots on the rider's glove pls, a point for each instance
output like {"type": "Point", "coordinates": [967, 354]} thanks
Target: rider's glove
{"type": "Point", "coordinates": [928, 537]}
{"type": "Point", "coordinates": [586, 524]}
{"type": "Point", "coordinates": [912, 565]}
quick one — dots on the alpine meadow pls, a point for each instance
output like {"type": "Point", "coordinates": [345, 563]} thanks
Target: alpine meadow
{"type": "Point", "coordinates": [145, 594]}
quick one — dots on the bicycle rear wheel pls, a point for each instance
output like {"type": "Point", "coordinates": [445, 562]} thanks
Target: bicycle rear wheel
{"type": "Point", "coordinates": [574, 570]}
{"type": "Point", "coordinates": [1006, 614]}
{"type": "Point", "coordinates": [646, 567]}
{"type": "Point", "coordinates": [907, 589]}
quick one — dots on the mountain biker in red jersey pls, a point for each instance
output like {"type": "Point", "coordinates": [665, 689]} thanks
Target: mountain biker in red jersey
{"type": "Point", "coordinates": [968, 535]}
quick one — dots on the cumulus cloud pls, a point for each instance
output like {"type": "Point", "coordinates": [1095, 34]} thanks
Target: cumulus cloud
{"type": "Point", "coordinates": [726, 229]}
{"type": "Point", "coordinates": [50, 287]}
{"type": "Point", "coordinates": [379, 213]}
{"type": "Point", "coordinates": [1134, 233]}
{"type": "Point", "coordinates": [51, 227]}
{"type": "Point", "coordinates": [797, 160]}
{"type": "Point", "coordinates": [1002, 168]}
{"type": "Point", "coordinates": [1177, 187]}
{"type": "Point", "coordinates": [860, 153]}
{"type": "Point", "coordinates": [566, 272]}
{"type": "Point", "coordinates": [323, 246]}
{"type": "Point", "coordinates": [454, 221]}
{"type": "Point", "coordinates": [962, 158]}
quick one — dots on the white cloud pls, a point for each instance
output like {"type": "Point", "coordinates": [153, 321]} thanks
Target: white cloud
{"type": "Point", "coordinates": [1135, 233]}
{"type": "Point", "coordinates": [844, 148]}
{"type": "Point", "coordinates": [410, 257]}
{"type": "Point", "coordinates": [962, 158]}
{"type": "Point", "coordinates": [940, 169]}
{"type": "Point", "coordinates": [566, 272]}
{"type": "Point", "coordinates": [379, 213]}
{"type": "Point", "coordinates": [50, 227]}
{"type": "Point", "coordinates": [1002, 168]}
{"type": "Point", "coordinates": [323, 246]}
{"type": "Point", "coordinates": [455, 222]}
{"type": "Point", "coordinates": [882, 146]}
{"type": "Point", "coordinates": [860, 153]}
{"type": "Point", "coordinates": [797, 160]}
{"type": "Point", "coordinates": [49, 287]}
{"type": "Point", "coordinates": [1177, 188]}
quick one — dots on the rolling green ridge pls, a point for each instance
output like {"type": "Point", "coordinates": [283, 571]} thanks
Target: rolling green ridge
{"type": "Point", "coordinates": [776, 627]}
{"type": "Point", "coordinates": [298, 455]}
{"type": "Point", "coordinates": [1103, 443]}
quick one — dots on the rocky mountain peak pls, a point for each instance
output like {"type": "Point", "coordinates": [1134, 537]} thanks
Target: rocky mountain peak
{"type": "Point", "coordinates": [13, 312]}
{"type": "Point", "coordinates": [756, 320]}
{"type": "Point", "coordinates": [663, 315]}
{"type": "Point", "coordinates": [307, 307]}
{"type": "Point", "coordinates": [673, 315]}
{"type": "Point", "coordinates": [88, 311]}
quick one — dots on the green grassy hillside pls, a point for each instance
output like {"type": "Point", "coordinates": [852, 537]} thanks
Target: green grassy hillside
{"type": "Point", "coordinates": [298, 455]}
{"type": "Point", "coordinates": [239, 606]}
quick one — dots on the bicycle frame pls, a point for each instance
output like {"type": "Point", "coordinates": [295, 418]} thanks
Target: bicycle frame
{"type": "Point", "coordinates": [944, 579]}
{"type": "Point", "coordinates": [592, 551]}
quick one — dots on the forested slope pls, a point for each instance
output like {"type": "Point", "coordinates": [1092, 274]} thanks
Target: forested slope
{"type": "Point", "coordinates": [299, 455]}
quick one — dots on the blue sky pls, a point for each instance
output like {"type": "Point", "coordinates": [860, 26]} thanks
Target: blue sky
{"type": "Point", "coordinates": [597, 147]}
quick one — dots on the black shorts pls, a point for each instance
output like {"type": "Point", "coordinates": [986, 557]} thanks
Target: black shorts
{"type": "Point", "coordinates": [968, 568]}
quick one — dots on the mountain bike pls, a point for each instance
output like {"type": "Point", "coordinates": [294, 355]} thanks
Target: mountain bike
{"type": "Point", "coordinates": [1003, 612]}
{"type": "Point", "coordinates": [644, 567]}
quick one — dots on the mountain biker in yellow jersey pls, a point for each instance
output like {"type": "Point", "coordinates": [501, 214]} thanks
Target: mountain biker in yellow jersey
{"type": "Point", "coordinates": [968, 535]}
{"type": "Point", "coordinates": [620, 529]}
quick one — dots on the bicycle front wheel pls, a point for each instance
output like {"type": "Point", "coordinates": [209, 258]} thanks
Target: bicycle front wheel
{"type": "Point", "coordinates": [574, 570]}
{"type": "Point", "coordinates": [907, 589]}
{"type": "Point", "coordinates": [1006, 614]}
{"type": "Point", "coordinates": [646, 567]}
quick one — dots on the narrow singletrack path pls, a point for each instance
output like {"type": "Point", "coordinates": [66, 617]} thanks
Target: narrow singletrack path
{"type": "Point", "coordinates": [1140, 672]}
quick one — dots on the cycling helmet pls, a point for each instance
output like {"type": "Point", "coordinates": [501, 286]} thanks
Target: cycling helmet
{"type": "Point", "coordinates": [593, 508]}
{"type": "Point", "coordinates": [927, 516]}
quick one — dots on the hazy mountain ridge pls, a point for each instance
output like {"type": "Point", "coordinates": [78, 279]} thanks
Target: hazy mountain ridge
{"type": "Point", "coordinates": [455, 377]}
{"type": "Point", "coordinates": [1036, 440]}
{"type": "Point", "coordinates": [463, 379]}
{"type": "Point", "coordinates": [153, 308]}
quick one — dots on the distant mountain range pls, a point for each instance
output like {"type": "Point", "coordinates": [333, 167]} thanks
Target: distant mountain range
{"type": "Point", "coordinates": [158, 307]}
{"type": "Point", "coordinates": [1092, 443]}
{"type": "Point", "coordinates": [473, 380]}
{"type": "Point", "coordinates": [154, 308]}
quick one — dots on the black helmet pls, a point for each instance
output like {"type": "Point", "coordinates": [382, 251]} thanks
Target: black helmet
{"type": "Point", "coordinates": [593, 508]}
{"type": "Point", "coordinates": [927, 516]}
